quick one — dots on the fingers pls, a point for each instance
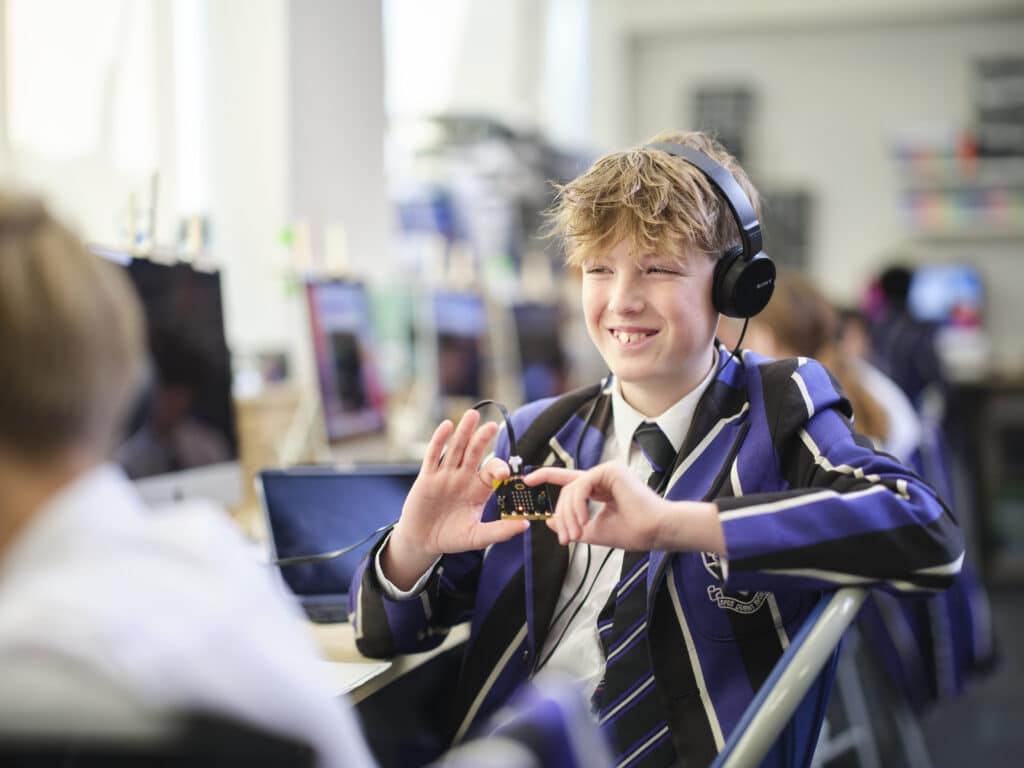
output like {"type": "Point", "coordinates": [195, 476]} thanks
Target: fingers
{"type": "Point", "coordinates": [499, 530]}
{"type": "Point", "coordinates": [456, 451]}
{"type": "Point", "coordinates": [555, 475]}
{"type": "Point", "coordinates": [573, 510]}
{"type": "Point", "coordinates": [436, 445]}
{"type": "Point", "coordinates": [478, 444]}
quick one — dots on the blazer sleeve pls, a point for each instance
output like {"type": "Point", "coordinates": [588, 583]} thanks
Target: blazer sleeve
{"type": "Point", "coordinates": [385, 627]}
{"type": "Point", "coordinates": [843, 513]}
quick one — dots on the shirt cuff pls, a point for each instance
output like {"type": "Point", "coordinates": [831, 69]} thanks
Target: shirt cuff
{"type": "Point", "coordinates": [389, 589]}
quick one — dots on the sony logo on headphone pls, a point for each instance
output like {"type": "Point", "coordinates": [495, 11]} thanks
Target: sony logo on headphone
{"type": "Point", "coordinates": [763, 283]}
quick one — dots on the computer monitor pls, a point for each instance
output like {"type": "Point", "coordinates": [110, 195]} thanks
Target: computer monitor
{"type": "Point", "coordinates": [351, 392]}
{"type": "Point", "coordinates": [180, 441]}
{"type": "Point", "coordinates": [542, 362]}
{"type": "Point", "coordinates": [950, 294]}
{"type": "Point", "coordinates": [460, 324]}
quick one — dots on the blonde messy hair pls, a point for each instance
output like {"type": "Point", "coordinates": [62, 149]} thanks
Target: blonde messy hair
{"type": "Point", "coordinates": [71, 338]}
{"type": "Point", "coordinates": [653, 200]}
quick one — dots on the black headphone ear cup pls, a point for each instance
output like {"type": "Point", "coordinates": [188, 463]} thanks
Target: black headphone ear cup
{"type": "Point", "coordinates": [741, 288]}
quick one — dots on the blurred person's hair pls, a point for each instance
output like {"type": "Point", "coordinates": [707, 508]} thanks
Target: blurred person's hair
{"type": "Point", "coordinates": [71, 338]}
{"type": "Point", "coordinates": [805, 324]}
{"type": "Point", "coordinates": [653, 200]}
{"type": "Point", "coordinates": [895, 283]}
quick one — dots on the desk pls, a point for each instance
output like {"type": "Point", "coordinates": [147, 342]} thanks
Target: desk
{"type": "Point", "coordinates": [338, 643]}
{"type": "Point", "coordinates": [402, 710]}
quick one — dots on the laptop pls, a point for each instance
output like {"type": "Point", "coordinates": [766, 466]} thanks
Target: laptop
{"type": "Point", "coordinates": [310, 510]}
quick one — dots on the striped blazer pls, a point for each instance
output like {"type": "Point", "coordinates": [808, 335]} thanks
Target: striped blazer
{"type": "Point", "coordinates": [806, 505]}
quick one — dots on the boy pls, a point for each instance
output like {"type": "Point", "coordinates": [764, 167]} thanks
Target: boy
{"type": "Point", "coordinates": [675, 596]}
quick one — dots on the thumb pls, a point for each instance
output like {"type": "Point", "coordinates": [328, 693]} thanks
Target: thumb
{"type": "Point", "coordinates": [499, 530]}
{"type": "Point", "coordinates": [494, 469]}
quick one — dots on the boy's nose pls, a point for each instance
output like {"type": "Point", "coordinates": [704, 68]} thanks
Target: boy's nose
{"type": "Point", "coordinates": [625, 297]}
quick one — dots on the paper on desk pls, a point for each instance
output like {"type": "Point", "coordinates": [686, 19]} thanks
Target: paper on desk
{"type": "Point", "coordinates": [345, 676]}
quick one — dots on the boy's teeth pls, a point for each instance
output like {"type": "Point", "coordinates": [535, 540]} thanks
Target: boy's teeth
{"type": "Point", "coordinates": [629, 338]}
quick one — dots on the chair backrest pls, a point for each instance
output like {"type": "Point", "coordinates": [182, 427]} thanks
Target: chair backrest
{"type": "Point", "coordinates": [811, 649]}
{"type": "Point", "coordinates": [193, 739]}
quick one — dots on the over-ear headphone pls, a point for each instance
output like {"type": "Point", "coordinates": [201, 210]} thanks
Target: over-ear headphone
{"type": "Point", "coordinates": [744, 275]}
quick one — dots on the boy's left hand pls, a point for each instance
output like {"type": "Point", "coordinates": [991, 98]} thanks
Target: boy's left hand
{"type": "Point", "coordinates": [633, 517]}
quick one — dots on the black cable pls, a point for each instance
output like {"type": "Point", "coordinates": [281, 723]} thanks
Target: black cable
{"type": "Point", "coordinates": [300, 559]}
{"type": "Point", "coordinates": [508, 423]}
{"type": "Point", "coordinates": [586, 569]}
{"type": "Point", "coordinates": [579, 606]}
{"type": "Point", "coordinates": [587, 420]}
{"type": "Point", "coordinates": [739, 341]}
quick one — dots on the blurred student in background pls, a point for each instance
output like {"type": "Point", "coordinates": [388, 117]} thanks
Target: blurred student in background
{"type": "Point", "coordinates": [903, 345]}
{"type": "Point", "coordinates": [103, 606]}
{"type": "Point", "coordinates": [928, 646]}
{"type": "Point", "coordinates": [800, 322]}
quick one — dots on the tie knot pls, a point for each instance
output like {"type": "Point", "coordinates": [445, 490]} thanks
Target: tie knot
{"type": "Point", "coordinates": [655, 447]}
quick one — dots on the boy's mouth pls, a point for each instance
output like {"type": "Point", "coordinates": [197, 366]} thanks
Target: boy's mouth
{"type": "Point", "coordinates": [630, 338]}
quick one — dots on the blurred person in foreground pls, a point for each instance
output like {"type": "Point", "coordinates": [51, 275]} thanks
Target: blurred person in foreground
{"type": "Point", "coordinates": [105, 607]}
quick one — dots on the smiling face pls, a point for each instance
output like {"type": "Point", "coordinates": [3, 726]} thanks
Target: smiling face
{"type": "Point", "coordinates": [652, 321]}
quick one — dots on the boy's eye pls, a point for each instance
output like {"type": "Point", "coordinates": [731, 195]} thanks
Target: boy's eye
{"type": "Point", "coordinates": [596, 269]}
{"type": "Point", "coordinates": [661, 270]}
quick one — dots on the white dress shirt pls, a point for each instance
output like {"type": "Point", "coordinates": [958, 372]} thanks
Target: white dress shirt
{"type": "Point", "coordinates": [101, 597]}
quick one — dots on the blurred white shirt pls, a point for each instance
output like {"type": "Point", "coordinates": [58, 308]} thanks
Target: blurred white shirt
{"type": "Point", "coordinates": [101, 597]}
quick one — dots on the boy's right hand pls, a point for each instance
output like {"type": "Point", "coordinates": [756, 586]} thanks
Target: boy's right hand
{"type": "Point", "coordinates": [442, 512]}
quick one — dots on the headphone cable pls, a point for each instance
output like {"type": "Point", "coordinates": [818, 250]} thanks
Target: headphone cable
{"type": "Point", "coordinates": [739, 342]}
{"type": "Point", "coordinates": [301, 559]}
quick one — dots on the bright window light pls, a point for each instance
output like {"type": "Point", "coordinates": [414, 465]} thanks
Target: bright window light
{"type": "Point", "coordinates": [80, 79]}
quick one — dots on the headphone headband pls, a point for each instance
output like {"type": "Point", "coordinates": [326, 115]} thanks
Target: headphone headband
{"type": "Point", "coordinates": [730, 190]}
{"type": "Point", "coordinates": [744, 277]}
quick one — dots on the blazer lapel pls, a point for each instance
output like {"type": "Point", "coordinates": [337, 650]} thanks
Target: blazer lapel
{"type": "Point", "coordinates": [719, 425]}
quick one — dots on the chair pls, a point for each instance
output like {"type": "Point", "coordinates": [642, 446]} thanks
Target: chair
{"type": "Point", "coordinates": [193, 739]}
{"type": "Point", "coordinates": [813, 646]}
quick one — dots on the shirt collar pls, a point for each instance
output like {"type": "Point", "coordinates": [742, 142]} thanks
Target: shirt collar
{"type": "Point", "coordinates": [674, 422]}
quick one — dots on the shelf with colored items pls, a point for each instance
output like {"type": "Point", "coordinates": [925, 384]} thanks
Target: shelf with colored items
{"type": "Point", "coordinates": [958, 195]}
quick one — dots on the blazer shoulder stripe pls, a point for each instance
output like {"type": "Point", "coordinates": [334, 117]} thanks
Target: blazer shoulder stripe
{"type": "Point", "coordinates": [803, 499]}
{"type": "Point", "coordinates": [822, 461]}
{"type": "Point", "coordinates": [802, 386]}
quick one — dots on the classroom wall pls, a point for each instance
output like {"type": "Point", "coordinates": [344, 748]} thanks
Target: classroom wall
{"type": "Point", "coordinates": [832, 81]}
{"type": "Point", "coordinates": [829, 99]}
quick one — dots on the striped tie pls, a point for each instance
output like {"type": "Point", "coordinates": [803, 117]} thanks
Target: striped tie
{"type": "Point", "coordinates": [628, 707]}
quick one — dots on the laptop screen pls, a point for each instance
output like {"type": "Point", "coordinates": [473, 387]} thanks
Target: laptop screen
{"type": "Point", "coordinates": [313, 510]}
